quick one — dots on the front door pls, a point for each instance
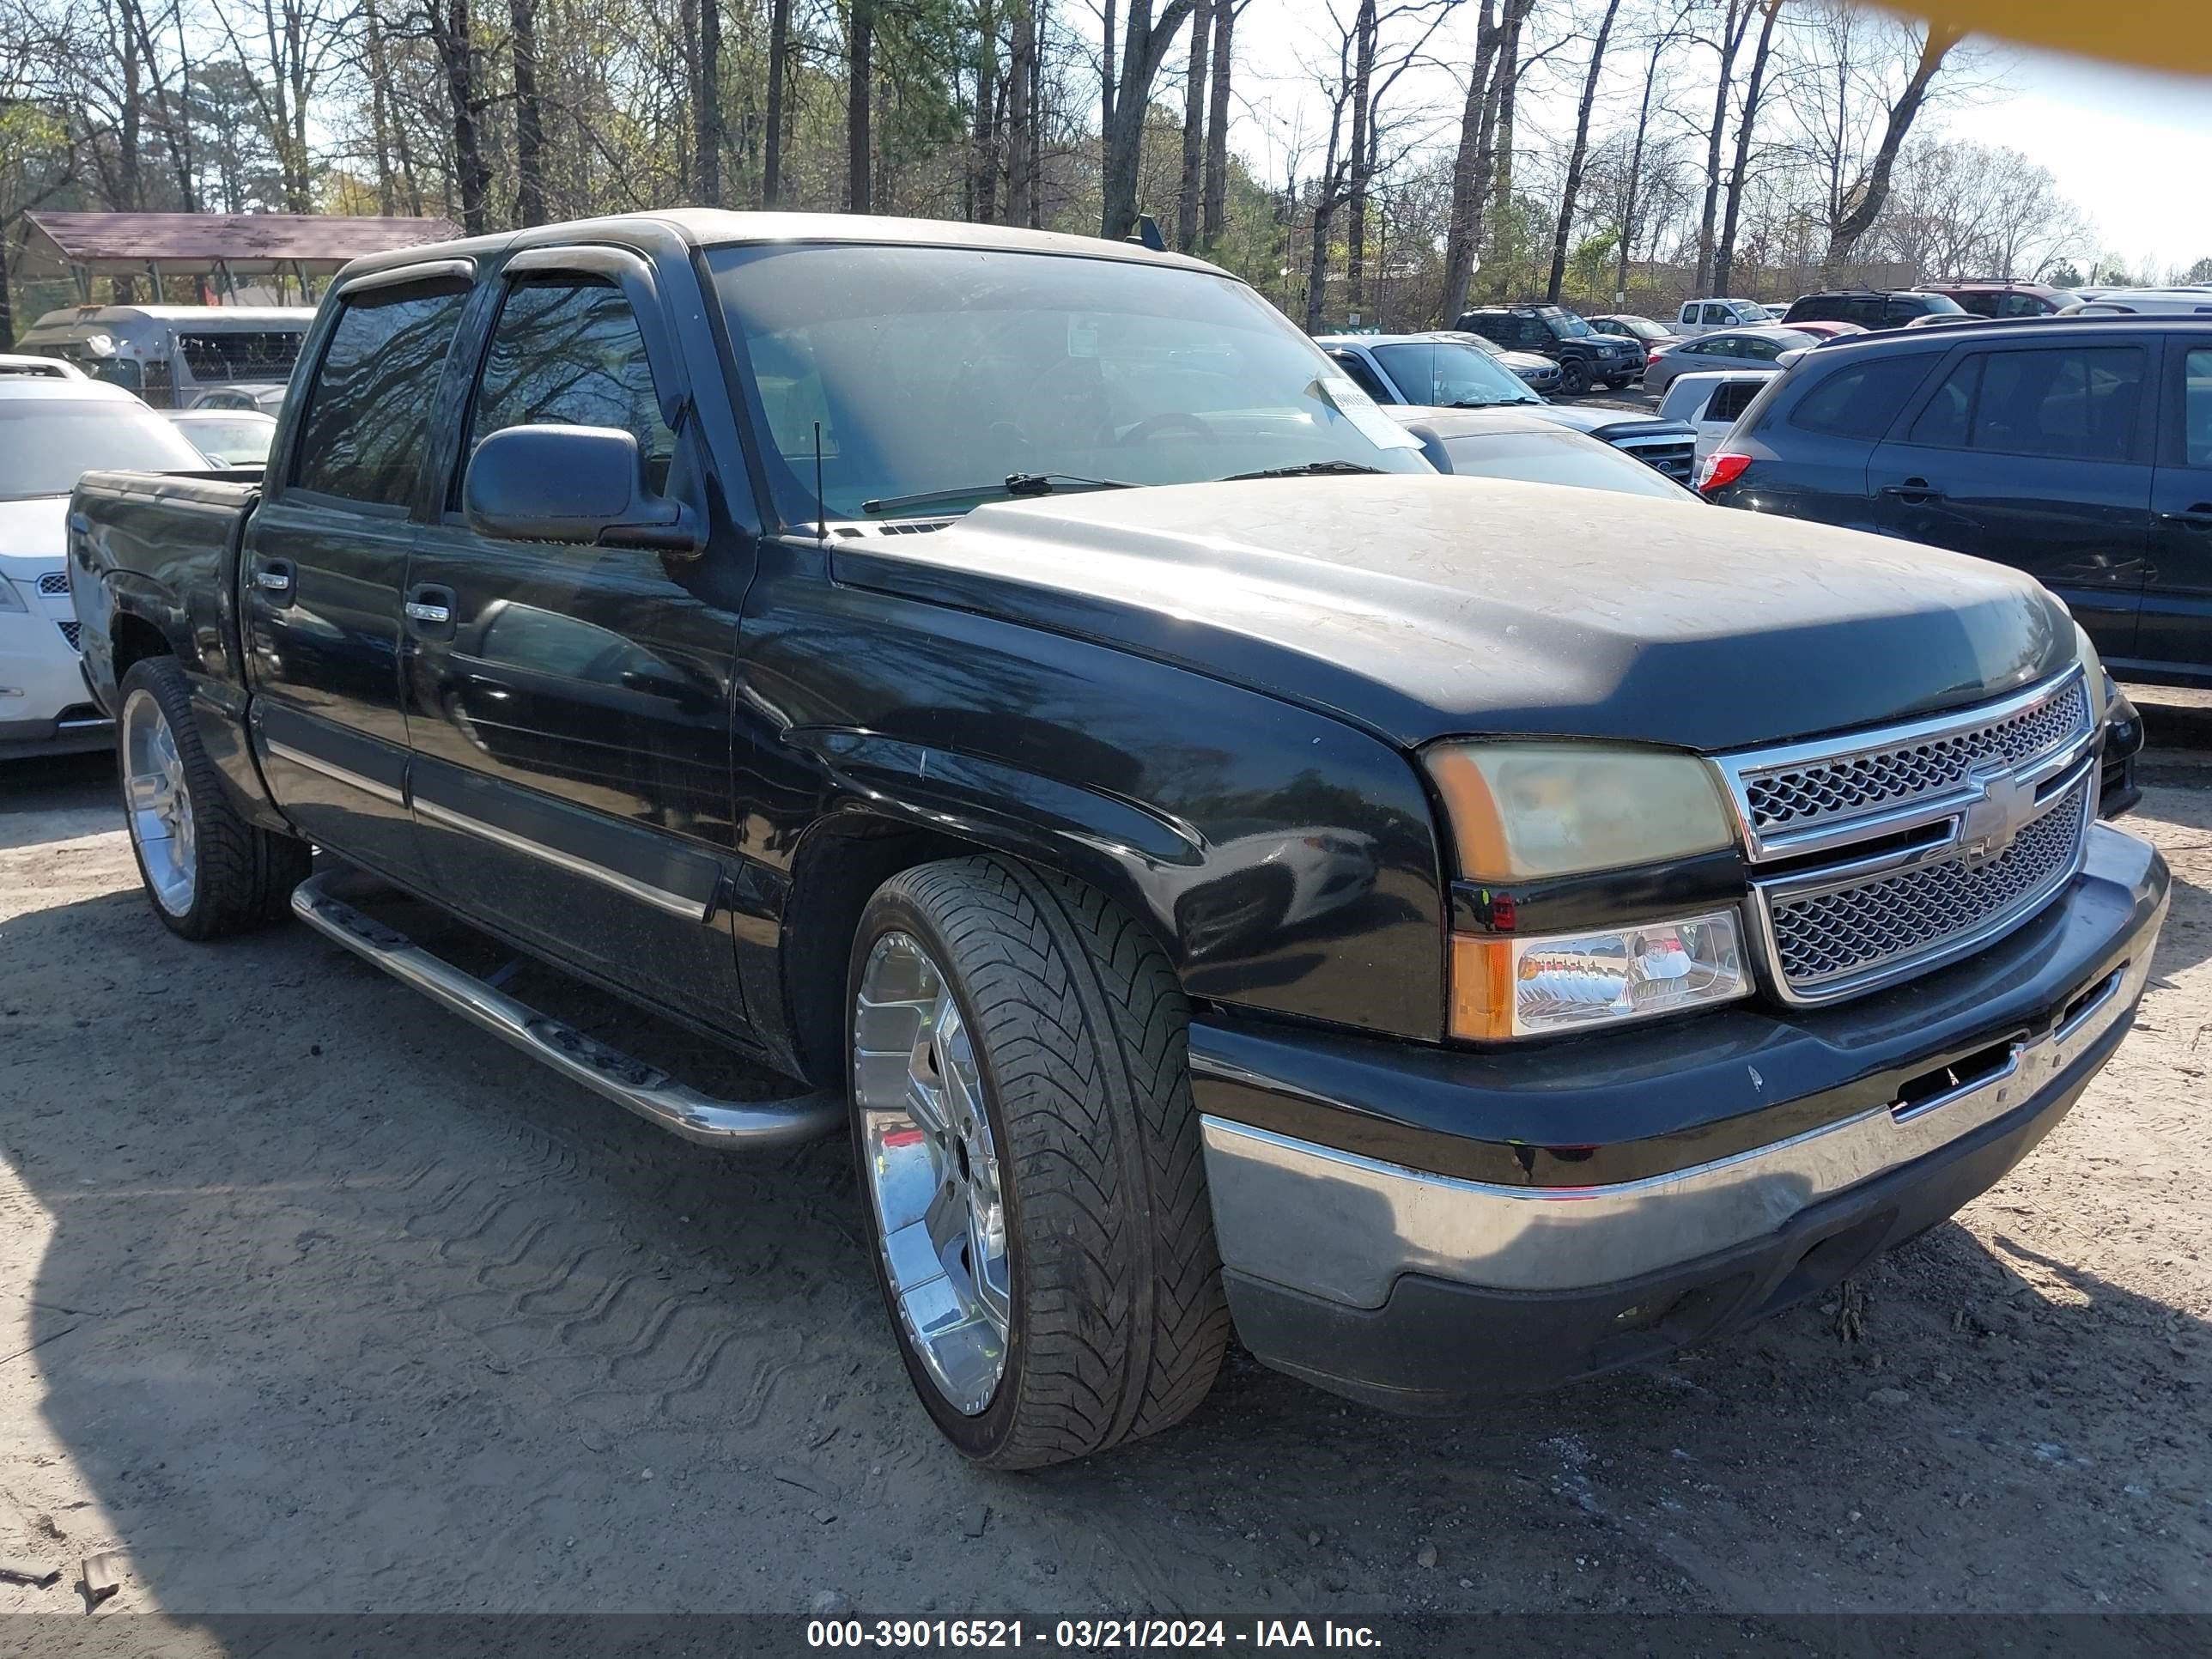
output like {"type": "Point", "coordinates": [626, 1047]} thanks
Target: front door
{"type": "Point", "coordinates": [325, 555]}
{"type": "Point", "coordinates": [2037, 456]}
{"type": "Point", "coordinates": [2175, 638]}
{"type": "Point", "coordinates": [570, 704]}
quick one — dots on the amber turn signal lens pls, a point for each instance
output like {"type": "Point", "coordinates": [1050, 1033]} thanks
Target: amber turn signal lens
{"type": "Point", "coordinates": [1481, 987]}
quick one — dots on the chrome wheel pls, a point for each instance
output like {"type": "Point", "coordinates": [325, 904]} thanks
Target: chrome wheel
{"type": "Point", "coordinates": [931, 1167]}
{"type": "Point", "coordinates": [158, 803]}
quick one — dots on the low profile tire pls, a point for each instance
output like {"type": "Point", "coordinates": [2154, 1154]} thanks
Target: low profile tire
{"type": "Point", "coordinates": [1023, 1121]}
{"type": "Point", "coordinates": [1574, 377]}
{"type": "Point", "coordinates": [207, 870]}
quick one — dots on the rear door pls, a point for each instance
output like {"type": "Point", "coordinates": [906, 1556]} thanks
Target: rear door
{"type": "Point", "coordinates": [2175, 635]}
{"type": "Point", "coordinates": [325, 554]}
{"type": "Point", "coordinates": [2036, 456]}
{"type": "Point", "coordinates": [569, 703]}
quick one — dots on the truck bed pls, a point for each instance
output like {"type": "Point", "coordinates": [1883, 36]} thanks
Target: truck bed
{"type": "Point", "coordinates": [169, 540]}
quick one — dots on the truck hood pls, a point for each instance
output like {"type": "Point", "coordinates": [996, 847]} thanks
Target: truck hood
{"type": "Point", "coordinates": [32, 535]}
{"type": "Point", "coordinates": [1421, 606]}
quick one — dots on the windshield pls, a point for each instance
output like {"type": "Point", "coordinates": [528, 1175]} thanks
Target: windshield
{"type": "Point", "coordinates": [234, 442]}
{"type": "Point", "coordinates": [1568, 326]}
{"type": "Point", "coordinates": [1446, 375]}
{"type": "Point", "coordinates": [1557, 457]}
{"type": "Point", "coordinates": [1642, 327]}
{"type": "Point", "coordinates": [927, 369]}
{"type": "Point", "coordinates": [45, 442]}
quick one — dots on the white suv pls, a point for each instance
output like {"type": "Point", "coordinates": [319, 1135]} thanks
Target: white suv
{"type": "Point", "coordinates": [51, 429]}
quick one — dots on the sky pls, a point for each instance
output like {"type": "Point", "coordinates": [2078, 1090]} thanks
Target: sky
{"type": "Point", "coordinates": [2131, 148]}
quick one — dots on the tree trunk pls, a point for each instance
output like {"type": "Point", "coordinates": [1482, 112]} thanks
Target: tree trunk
{"type": "Point", "coordinates": [1471, 165]}
{"type": "Point", "coordinates": [1194, 89]}
{"type": "Point", "coordinates": [983, 192]}
{"type": "Point", "coordinates": [1578, 154]}
{"type": "Point", "coordinates": [860, 82]}
{"type": "Point", "coordinates": [1733, 22]}
{"type": "Point", "coordinates": [778, 72]}
{"type": "Point", "coordinates": [529, 116]}
{"type": "Point", "coordinates": [1106, 83]}
{"type": "Point", "coordinates": [1628, 222]}
{"type": "Point", "coordinates": [709, 110]}
{"type": "Point", "coordinates": [1361, 158]}
{"type": "Point", "coordinates": [1021, 66]}
{"type": "Point", "coordinates": [380, 123]}
{"type": "Point", "coordinates": [1865, 202]}
{"type": "Point", "coordinates": [450, 31]}
{"type": "Point", "coordinates": [1724, 257]}
{"type": "Point", "coordinates": [1216, 211]}
{"type": "Point", "coordinates": [1145, 43]}
{"type": "Point", "coordinates": [1509, 90]}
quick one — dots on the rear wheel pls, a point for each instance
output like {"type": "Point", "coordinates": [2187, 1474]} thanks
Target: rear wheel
{"type": "Point", "coordinates": [208, 871]}
{"type": "Point", "coordinates": [1022, 1122]}
{"type": "Point", "coordinates": [1574, 377]}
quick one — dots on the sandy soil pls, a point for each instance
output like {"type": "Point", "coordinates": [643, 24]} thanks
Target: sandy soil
{"type": "Point", "coordinates": [314, 1299]}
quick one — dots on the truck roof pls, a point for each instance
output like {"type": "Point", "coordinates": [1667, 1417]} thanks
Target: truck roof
{"type": "Point", "coordinates": [720, 228]}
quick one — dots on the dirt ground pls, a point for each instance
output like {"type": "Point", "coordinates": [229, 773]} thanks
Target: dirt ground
{"type": "Point", "coordinates": [314, 1299]}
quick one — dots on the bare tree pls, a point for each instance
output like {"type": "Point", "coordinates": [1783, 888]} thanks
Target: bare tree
{"type": "Point", "coordinates": [1145, 43]}
{"type": "Point", "coordinates": [1578, 153]}
{"type": "Point", "coordinates": [776, 121]}
{"type": "Point", "coordinates": [1215, 218]}
{"type": "Point", "coordinates": [1862, 203]}
{"type": "Point", "coordinates": [1477, 154]}
{"type": "Point", "coordinates": [1740, 173]}
{"type": "Point", "coordinates": [1195, 88]}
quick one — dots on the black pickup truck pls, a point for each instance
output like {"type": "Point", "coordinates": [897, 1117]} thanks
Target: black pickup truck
{"type": "Point", "coordinates": [1222, 876]}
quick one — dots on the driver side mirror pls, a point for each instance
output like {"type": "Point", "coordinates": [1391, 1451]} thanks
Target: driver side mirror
{"type": "Point", "coordinates": [570, 484]}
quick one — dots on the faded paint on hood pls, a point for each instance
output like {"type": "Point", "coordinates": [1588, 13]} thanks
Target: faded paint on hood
{"type": "Point", "coordinates": [1422, 606]}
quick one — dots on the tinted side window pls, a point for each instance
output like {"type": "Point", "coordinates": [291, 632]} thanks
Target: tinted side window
{"type": "Point", "coordinates": [567, 351]}
{"type": "Point", "coordinates": [1730, 401]}
{"type": "Point", "coordinates": [2079, 404]}
{"type": "Point", "coordinates": [1861, 402]}
{"type": "Point", "coordinates": [2197, 410]}
{"type": "Point", "coordinates": [1943, 425]}
{"type": "Point", "coordinates": [1817, 309]}
{"type": "Point", "coordinates": [368, 421]}
{"type": "Point", "coordinates": [1984, 304]}
{"type": "Point", "coordinates": [1362, 376]}
{"type": "Point", "coordinates": [1721, 316]}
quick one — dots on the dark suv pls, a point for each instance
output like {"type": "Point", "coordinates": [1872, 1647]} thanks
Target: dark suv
{"type": "Point", "coordinates": [2080, 452]}
{"type": "Point", "coordinates": [2000, 298]}
{"type": "Point", "coordinates": [1586, 358]}
{"type": "Point", "coordinates": [1871, 308]}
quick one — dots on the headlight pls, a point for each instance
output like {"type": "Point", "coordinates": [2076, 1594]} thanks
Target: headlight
{"type": "Point", "coordinates": [2092, 671]}
{"type": "Point", "coordinates": [1522, 811]}
{"type": "Point", "coordinates": [9, 599]}
{"type": "Point", "coordinates": [1510, 987]}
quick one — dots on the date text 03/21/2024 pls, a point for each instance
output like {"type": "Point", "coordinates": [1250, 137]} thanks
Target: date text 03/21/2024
{"type": "Point", "coordinates": [1087, 1634]}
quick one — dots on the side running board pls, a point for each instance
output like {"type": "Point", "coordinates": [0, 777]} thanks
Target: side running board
{"type": "Point", "coordinates": [650, 1092]}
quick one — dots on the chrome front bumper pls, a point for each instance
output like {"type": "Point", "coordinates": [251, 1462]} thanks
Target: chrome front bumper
{"type": "Point", "coordinates": [1333, 1224]}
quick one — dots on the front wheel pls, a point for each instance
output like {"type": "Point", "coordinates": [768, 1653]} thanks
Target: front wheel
{"type": "Point", "coordinates": [1022, 1122]}
{"type": "Point", "coordinates": [1574, 377]}
{"type": "Point", "coordinates": [208, 871]}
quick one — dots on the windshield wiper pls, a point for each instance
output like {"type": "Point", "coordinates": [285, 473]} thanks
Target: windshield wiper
{"type": "Point", "coordinates": [1492, 402]}
{"type": "Point", "coordinates": [1016, 484]}
{"type": "Point", "coordinates": [1304, 470]}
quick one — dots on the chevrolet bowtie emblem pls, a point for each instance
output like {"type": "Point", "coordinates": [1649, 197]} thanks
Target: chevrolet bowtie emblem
{"type": "Point", "coordinates": [1991, 825]}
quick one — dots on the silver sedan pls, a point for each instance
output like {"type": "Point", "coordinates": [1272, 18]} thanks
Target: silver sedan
{"type": "Point", "coordinates": [1727, 348]}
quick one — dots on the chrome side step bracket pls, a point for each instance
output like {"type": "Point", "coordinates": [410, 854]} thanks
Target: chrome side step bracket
{"type": "Point", "coordinates": [650, 1092]}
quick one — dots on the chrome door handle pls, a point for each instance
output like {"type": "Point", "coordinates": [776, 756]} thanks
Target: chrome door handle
{"type": "Point", "coordinates": [274, 577]}
{"type": "Point", "coordinates": [422, 612]}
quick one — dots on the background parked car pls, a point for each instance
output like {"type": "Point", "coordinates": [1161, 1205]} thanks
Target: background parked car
{"type": "Point", "coordinates": [52, 430]}
{"type": "Point", "coordinates": [1735, 347]}
{"type": "Point", "coordinates": [1586, 358]}
{"type": "Point", "coordinates": [2001, 299]}
{"type": "Point", "coordinates": [1870, 308]}
{"type": "Point", "coordinates": [1520, 444]}
{"type": "Point", "coordinates": [44, 368]}
{"type": "Point", "coordinates": [228, 437]}
{"type": "Point", "coordinates": [1703, 316]}
{"type": "Point", "coordinates": [1441, 371]}
{"type": "Point", "coordinates": [1538, 373]}
{"type": "Point", "coordinates": [1828, 330]}
{"type": "Point", "coordinates": [1651, 335]}
{"type": "Point", "coordinates": [1711, 402]}
{"type": "Point", "coordinates": [259, 398]}
{"type": "Point", "coordinates": [2153, 301]}
{"type": "Point", "coordinates": [2081, 452]}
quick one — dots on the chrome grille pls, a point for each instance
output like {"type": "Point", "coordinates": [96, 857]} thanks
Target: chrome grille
{"type": "Point", "coordinates": [1880, 855]}
{"type": "Point", "coordinates": [1676, 456]}
{"type": "Point", "coordinates": [70, 631]}
{"type": "Point", "coordinates": [1843, 787]}
{"type": "Point", "coordinates": [54, 582]}
{"type": "Point", "coordinates": [1844, 932]}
